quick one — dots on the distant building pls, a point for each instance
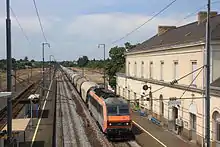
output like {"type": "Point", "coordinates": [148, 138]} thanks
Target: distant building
{"type": "Point", "coordinates": [171, 54]}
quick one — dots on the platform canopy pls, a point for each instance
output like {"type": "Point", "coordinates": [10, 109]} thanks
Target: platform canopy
{"type": "Point", "coordinates": [4, 94]}
{"type": "Point", "coordinates": [19, 125]}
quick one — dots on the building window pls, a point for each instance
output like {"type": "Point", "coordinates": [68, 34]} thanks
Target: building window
{"type": "Point", "coordinates": [135, 99]}
{"type": "Point", "coordinates": [135, 69]}
{"type": "Point", "coordinates": [123, 92]}
{"type": "Point", "coordinates": [128, 69]}
{"type": "Point", "coordinates": [128, 94]}
{"type": "Point", "coordinates": [142, 69]}
{"type": "Point", "coordinates": [151, 70]}
{"type": "Point", "coordinates": [175, 73]}
{"type": "Point", "coordinates": [161, 70]}
{"type": "Point", "coordinates": [194, 66]}
{"type": "Point", "coordinates": [146, 72]}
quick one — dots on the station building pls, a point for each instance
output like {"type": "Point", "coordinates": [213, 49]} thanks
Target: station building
{"type": "Point", "coordinates": [171, 64]}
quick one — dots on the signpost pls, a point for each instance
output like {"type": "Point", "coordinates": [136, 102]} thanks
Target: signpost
{"type": "Point", "coordinates": [34, 98]}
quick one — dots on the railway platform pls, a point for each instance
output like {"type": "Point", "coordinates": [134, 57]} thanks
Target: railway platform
{"type": "Point", "coordinates": [39, 132]}
{"type": "Point", "coordinates": [148, 133]}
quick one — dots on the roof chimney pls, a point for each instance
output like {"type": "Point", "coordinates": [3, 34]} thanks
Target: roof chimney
{"type": "Point", "coordinates": [163, 29]}
{"type": "Point", "coordinates": [202, 16]}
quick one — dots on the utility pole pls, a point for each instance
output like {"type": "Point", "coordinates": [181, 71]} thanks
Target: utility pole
{"type": "Point", "coordinates": [104, 62]}
{"type": "Point", "coordinates": [43, 44]}
{"type": "Point", "coordinates": [0, 80]}
{"type": "Point", "coordinates": [50, 68]}
{"type": "Point", "coordinates": [9, 68]}
{"type": "Point", "coordinates": [15, 74]}
{"type": "Point", "coordinates": [31, 69]}
{"type": "Point", "coordinates": [207, 132]}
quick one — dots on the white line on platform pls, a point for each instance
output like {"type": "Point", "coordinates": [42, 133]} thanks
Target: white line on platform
{"type": "Point", "coordinates": [149, 134]}
{"type": "Point", "coordinates": [38, 123]}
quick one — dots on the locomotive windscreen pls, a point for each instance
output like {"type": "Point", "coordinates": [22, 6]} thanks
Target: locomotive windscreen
{"type": "Point", "coordinates": [118, 110]}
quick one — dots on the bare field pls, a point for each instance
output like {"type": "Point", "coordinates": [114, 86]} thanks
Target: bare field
{"type": "Point", "coordinates": [21, 75]}
{"type": "Point", "coordinates": [92, 74]}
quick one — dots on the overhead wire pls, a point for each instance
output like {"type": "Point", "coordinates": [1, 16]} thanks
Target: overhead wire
{"type": "Point", "coordinates": [191, 83]}
{"type": "Point", "coordinates": [19, 24]}
{"type": "Point", "coordinates": [38, 16]}
{"type": "Point", "coordinates": [166, 7]}
{"type": "Point", "coordinates": [196, 11]}
{"type": "Point", "coordinates": [176, 80]}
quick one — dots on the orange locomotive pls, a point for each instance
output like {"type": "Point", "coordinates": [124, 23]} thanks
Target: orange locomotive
{"type": "Point", "coordinates": [112, 113]}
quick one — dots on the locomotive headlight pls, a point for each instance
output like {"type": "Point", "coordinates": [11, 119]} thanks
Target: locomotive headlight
{"type": "Point", "coordinates": [110, 124]}
{"type": "Point", "coordinates": [127, 123]}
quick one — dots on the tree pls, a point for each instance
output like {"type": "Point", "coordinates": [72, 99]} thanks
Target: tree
{"type": "Point", "coordinates": [82, 61]}
{"type": "Point", "coordinates": [25, 58]}
{"type": "Point", "coordinates": [117, 62]}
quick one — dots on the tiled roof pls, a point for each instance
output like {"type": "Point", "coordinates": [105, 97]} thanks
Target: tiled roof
{"type": "Point", "coordinates": [216, 83]}
{"type": "Point", "coordinates": [192, 32]}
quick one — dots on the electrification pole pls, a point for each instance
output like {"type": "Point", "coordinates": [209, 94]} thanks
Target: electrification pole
{"type": "Point", "coordinates": [50, 67]}
{"type": "Point", "coordinates": [104, 62]}
{"type": "Point", "coordinates": [207, 132]}
{"type": "Point", "coordinates": [43, 44]}
{"type": "Point", "coordinates": [9, 68]}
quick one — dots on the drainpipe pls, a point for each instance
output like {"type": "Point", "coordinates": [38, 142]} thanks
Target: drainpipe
{"type": "Point", "coordinates": [203, 95]}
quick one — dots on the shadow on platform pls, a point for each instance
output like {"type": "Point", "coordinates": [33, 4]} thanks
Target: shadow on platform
{"type": "Point", "coordinates": [28, 144]}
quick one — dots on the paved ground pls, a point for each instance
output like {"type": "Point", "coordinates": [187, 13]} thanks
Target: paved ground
{"type": "Point", "coordinates": [161, 137]}
{"type": "Point", "coordinates": [41, 133]}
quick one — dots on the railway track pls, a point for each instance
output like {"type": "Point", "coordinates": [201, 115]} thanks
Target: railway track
{"type": "Point", "coordinates": [16, 106]}
{"type": "Point", "coordinates": [89, 120]}
{"type": "Point", "coordinates": [126, 144]}
{"type": "Point", "coordinates": [84, 132]}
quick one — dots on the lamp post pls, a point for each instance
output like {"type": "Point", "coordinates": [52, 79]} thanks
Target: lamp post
{"type": "Point", "coordinates": [9, 67]}
{"type": "Point", "coordinates": [43, 44]}
{"type": "Point", "coordinates": [104, 61]}
{"type": "Point", "coordinates": [50, 65]}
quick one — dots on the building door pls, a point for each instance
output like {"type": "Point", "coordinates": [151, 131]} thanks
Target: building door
{"type": "Point", "coordinates": [193, 126]}
{"type": "Point", "coordinates": [161, 106]}
{"type": "Point", "coordinates": [216, 128]}
{"type": "Point", "coordinates": [175, 116]}
{"type": "Point", "coordinates": [129, 95]}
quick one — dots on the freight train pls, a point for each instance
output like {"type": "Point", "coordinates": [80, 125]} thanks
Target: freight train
{"type": "Point", "coordinates": [111, 112]}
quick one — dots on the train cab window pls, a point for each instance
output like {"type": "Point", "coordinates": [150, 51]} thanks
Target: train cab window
{"type": "Point", "coordinates": [112, 110]}
{"type": "Point", "coordinates": [124, 111]}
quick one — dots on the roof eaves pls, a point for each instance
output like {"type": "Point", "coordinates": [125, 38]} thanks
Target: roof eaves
{"type": "Point", "coordinates": [168, 47]}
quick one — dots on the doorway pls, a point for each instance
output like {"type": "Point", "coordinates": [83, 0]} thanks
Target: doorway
{"type": "Point", "coordinates": [175, 116]}
{"type": "Point", "coordinates": [216, 128]}
{"type": "Point", "coordinates": [193, 135]}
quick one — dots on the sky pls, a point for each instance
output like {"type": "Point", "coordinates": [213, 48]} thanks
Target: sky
{"type": "Point", "coordinates": [75, 27]}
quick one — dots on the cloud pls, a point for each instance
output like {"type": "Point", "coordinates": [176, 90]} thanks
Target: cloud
{"type": "Point", "coordinates": [30, 24]}
{"type": "Point", "coordinates": [92, 29]}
